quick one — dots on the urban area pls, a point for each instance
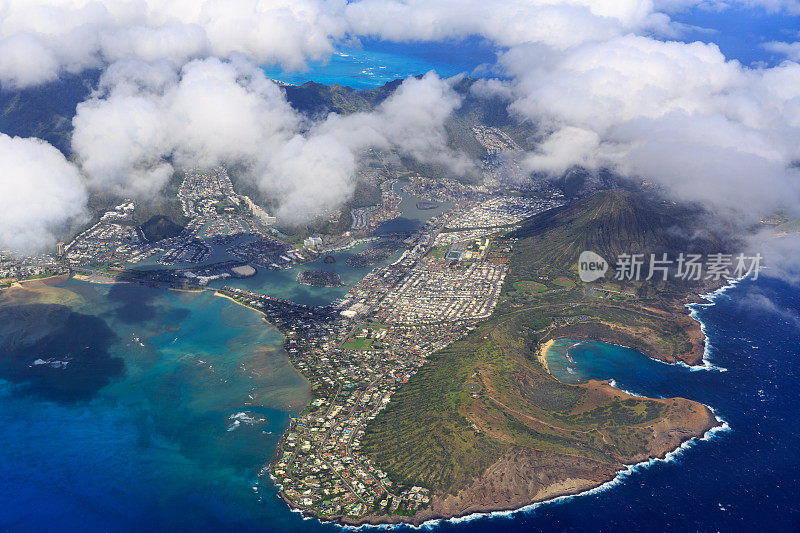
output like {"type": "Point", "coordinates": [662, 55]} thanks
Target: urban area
{"type": "Point", "coordinates": [444, 278]}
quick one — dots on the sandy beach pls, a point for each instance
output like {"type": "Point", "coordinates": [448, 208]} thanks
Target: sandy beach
{"type": "Point", "coordinates": [543, 352]}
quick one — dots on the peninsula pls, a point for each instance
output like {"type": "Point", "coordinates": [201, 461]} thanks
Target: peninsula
{"type": "Point", "coordinates": [429, 396]}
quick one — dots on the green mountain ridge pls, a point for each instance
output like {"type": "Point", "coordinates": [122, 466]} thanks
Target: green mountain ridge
{"type": "Point", "coordinates": [611, 223]}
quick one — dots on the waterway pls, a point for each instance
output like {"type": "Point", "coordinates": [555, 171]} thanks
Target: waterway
{"type": "Point", "coordinates": [127, 407]}
{"type": "Point", "coordinates": [120, 406]}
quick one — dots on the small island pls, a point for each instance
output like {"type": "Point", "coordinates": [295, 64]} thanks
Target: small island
{"type": "Point", "coordinates": [319, 278]}
{"type": "Point", "coordinates": [423, 205]}
{"type": "Point", "coordinates": [329, 260]}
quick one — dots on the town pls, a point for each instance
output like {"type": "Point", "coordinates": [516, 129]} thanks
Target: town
{"type": "Point", "coordinates": [357, 351]}
{"type": "Point", "coordinates": [447, 276]}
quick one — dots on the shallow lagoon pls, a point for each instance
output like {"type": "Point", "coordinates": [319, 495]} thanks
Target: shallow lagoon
{"type": "Point", "coordinates": [148, 441]}
{"type": "Point", "coordinates": [147, 444]}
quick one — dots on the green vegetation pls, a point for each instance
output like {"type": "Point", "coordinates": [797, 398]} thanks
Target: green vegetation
{"type": "Point", "coordinates": [484, 393]}
{"type": "Point", "coordinates": [563, 281]}
{"type": "Point", "coordinates": [358, 344]}
{"type": "Point", "coordinates": [421, 438]}
{"type": "Point", "coordinates": [624, 413]}
{"type": "Point", "coordinates": [160, 227]}
{"type": "Point", "coordinates": [488, 392]}
{"type": "Point", "coordinates": [647, 315]}
{"type": "Point", "coordinates": [439, 251]}
{"type": "Point", "coordinates": [364, 195]}
{"type": "Point", "coordinates": [532, 287]}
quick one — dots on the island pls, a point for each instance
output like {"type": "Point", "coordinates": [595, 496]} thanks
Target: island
{"type": "Point", "coordinates": [423, 205]}
{"type": "Point", "coordinates": [319, 278]}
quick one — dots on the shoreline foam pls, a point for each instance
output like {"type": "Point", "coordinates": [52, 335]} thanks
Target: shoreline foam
{"type": "Point", "coordinates": [694, 307]}
{"type": "Point", "coordinates": [619, 478]}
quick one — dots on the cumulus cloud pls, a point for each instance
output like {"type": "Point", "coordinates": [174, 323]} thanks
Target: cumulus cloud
{"type": "Point", "coordinates": [41, 194]}
{"type": "Point", "coordinates": [182, 87]}
{"type": "Point", "coordinates": [557, 23]}
{"type": "Point", "coordinates": [411, 121]}
{"type": "Point", "coordinates": [681, 114]}
{"type": "Point", "coordinates": [145, 120]}
{"type": "Point", "coordinates": [41, 38]}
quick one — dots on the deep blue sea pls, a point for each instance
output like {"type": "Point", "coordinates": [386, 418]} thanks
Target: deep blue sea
{"type": "Point", "coordinates": [129, 420]}
{"type": "Point", "coordinates": [739, 31]}
{"type": "Point", "coordinates": [136, 431]}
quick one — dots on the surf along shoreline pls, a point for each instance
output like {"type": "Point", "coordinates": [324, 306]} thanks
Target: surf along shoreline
{"type": "Point", "coordinates": [551, 494]}
{"type": "Point", "coordinates": [508, 509]}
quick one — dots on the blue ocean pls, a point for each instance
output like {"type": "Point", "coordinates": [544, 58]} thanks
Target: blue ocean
{"type": "Point", "coordinates": [188, 393]}
{"type": "Point", "coordinates": [127, 408]}
{"type": "Point", "coordinates": [739, 30]}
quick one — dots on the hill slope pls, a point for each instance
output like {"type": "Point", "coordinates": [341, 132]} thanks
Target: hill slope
{"type": "Point", "coordinates": [611, 223]}
{"type": "Point", "coordinates": [485, 426]}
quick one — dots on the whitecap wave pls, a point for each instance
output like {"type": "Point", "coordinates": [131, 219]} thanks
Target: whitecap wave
{"type": "Point", "coordinates": [614, 384]}
{"type": "Point", "coordinates": [711, 298]}
{"type": "Point", "coordinates": [244, 417]}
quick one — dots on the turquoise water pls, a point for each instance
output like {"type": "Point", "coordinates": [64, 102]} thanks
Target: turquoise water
{"type": "Point", "coordinates": [573, 361]}
{"type": "Point", "coordinates": [139, 438]}
{"type": "Point", "coordinates": [411, 218]}
{"type": "Point", "coordinates": [375, 63]}
{"type": "Point", "coordinates": [283, 283]}
{"type": "Point", "coordinates": [743, 479]}
{"type": "Point", "coordinates": [156, 446]}
{"type": "Point", "coordinates": [151, 409]}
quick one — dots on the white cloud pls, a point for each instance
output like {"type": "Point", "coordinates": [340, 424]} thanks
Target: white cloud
{"type": "Point", "coordinates": [563, 149]}
{"type": "Point", "coordinates": [41, 194]}
{"type": "Point", "coordinates": [556, 23]}
{"type": "Point", "coordinates": [790, 50]}
{"type": "Point", "coordinates": [42, 38]}
{"type": "Point", "coordinates": [599, 91]}
{"type": "Point", "coordinates": [25, 61]}
{"type": "Point", "coordinates": [411, 120]}
{"type": "Point", "coordinates": [706, 128]}
{"type": "Point", "coordinates": [71, 35]}
{"type": "Point", "coordinates": [147, 119]}
{"type": "Point", "coordinates": [314, 173]}
{"type": "Point", "coordinates": [309, 175]}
